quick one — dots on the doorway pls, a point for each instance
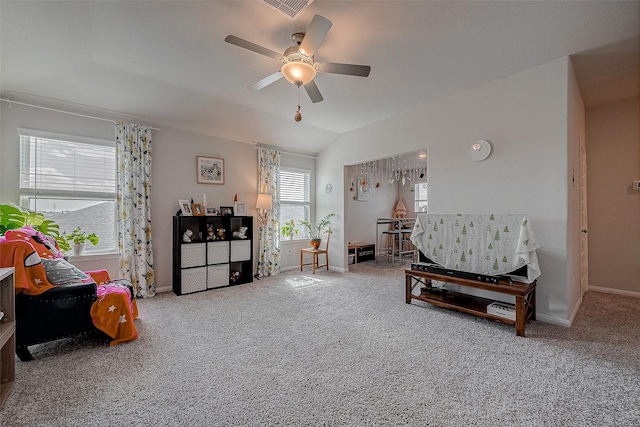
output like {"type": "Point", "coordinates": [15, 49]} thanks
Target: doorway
{"type": "Point", "coordinates": [374, 188]}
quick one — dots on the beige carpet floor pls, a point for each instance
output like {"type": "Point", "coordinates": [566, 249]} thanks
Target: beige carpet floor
{"type": "Point", "coordinates": [336, 349]}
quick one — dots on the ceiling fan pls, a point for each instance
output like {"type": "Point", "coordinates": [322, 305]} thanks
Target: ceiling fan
{"type": "Point", "coordinates": [299, 66]}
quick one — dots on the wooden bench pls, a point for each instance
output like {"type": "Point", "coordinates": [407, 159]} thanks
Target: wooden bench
{"type": "Point", "coordinates": [524, 293]}
{"type": "Point", "coordinates": [362, 252]}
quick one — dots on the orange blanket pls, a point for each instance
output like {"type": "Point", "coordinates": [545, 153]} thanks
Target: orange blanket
{"type": "Point", "coordinates": [29, 276]}
{"type": "Point", "coordinates": [114, 311]}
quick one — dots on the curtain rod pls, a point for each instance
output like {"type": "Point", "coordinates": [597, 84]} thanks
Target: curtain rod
{"type": "Point", "coordinates": [65, 112]}
{"type": "Point", "coordinates": [258, 145]}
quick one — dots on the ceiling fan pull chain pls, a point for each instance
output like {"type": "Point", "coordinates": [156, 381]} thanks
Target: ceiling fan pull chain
{"type": "Point", "coordinates": [298, 116]}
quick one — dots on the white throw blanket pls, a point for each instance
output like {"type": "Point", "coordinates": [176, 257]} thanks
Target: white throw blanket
{"type": "Point", "coordinates": [491, 244]}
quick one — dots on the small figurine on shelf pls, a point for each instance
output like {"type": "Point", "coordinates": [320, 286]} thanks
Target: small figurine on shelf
{"type": "Point", "coordinates": [186, 237]}
{"type": "Point", "coordinates": [210, 233]}
{"type": "Point", "coordinates": [241, 233]}
{"type": "Point", "coordinates": [235, 275]}
{"type": "Point", "coordinates": [220, 232]}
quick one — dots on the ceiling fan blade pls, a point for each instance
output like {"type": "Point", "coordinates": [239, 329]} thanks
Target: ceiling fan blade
{"type": "Point", "coordinates": [252, 46]}
{"type": "Point", "coordinates": [317, 31]}
{"type": "Point", "coordinates": [266, 81]}
{"type": "Point", "coordinates": [313, 92]}
{"type": "Point", "coordinates": [348, 69]}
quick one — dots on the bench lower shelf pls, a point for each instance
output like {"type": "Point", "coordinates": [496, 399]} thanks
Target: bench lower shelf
{"type": "Point", "coordinates": [524, 294]}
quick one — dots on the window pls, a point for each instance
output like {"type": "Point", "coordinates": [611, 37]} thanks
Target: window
{"type": "Point", "coordinates": [295, 198]}
{"type": "Point", "coordinates": [71, 180]}
{"type": "Point", "coordinates": [420, 192]}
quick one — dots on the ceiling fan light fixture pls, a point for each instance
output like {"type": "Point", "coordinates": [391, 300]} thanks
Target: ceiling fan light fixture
{"type": "Point", "coordinates": [298, 72]}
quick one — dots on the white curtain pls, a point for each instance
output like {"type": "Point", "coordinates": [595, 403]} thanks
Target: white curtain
{"type": "Point", "coordinates": [133, 154]}
{"type": "Point", "coordinates": [269, 248]}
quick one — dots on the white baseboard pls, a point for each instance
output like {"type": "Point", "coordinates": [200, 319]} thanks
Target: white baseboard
{"type": "Point", "coordinates": [164, 289]}
{"type": "Point", "coordinates": [308, 269]}
{"type": "Point", "coordinates": [553, 320]}
{"type": "Point", "coordinates": [614, 291]}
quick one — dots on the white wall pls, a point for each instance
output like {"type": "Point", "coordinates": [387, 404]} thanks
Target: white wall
{"type": "Point", "coordinates": [613, 162]}
{"type": "Point", "coordinates": [524, 116]}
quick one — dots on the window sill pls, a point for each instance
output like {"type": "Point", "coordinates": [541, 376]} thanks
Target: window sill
{"type": "Point", "coordinates": [94, 257]}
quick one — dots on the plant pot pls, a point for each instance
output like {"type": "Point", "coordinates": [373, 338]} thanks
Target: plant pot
{"type": "Point", "coordinates": [78, 249]}
{"type": "Point", "coordinates": [315, 243]}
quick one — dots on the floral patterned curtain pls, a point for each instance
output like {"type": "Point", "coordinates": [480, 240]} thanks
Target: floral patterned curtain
{"type": "Point", "coordinates": [269, 248]}
{"type": "Point", "coordinates": [133, 156]}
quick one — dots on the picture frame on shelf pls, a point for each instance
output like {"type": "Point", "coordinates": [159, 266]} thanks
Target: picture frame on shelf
{"type": "Point", "coordinates": [210, 170]}
{"type": "Point", "coordinates": [212, 211]}
{"type": "Point", "coordinates": [226, 210]}
{"type": "Point", "coordinates": [240, 208]}
{"type": "Point", "coordinates": [185, 207]}
{"type": "Point", "coordinates": [196, 208]}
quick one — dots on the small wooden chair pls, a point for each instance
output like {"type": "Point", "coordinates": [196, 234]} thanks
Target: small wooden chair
{"type": "Point", "coordinates": [314, 255]}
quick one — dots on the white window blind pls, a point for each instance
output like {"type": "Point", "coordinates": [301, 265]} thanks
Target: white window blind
{"type": "Point", "coordinates": [66, 168]}
{"type": "Point", "coordinates": [295, 187]}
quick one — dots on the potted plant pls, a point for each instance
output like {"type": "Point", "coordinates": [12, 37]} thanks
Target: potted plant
{"type": "Point", "coordinates": [289, 229]}
{"type": "Point", "coordinates": [78, 238]}
{"type": "Point", "coordinates": [317, 230]}
{"type": "Point", "coordinates": [13, 217]}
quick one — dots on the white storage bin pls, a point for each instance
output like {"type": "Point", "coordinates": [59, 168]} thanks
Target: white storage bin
{"type": "Point", "coordinates": [240, 250]}
{"type": "Point", "coordinates": [217, 276]}
{"type": "Point", "coordinates": [193, 255]}
{"type": "Point", "coordinates": [194, 280]}
{"type": "Point", "coordinates": [217, 252]}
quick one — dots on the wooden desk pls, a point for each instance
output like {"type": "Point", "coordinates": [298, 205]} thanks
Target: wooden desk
{"type": "Point", "coordinates": [524, 293]}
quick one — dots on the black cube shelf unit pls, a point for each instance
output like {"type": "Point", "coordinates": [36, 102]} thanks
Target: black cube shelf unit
{"type": "Point", "coordinates": [218, 253]}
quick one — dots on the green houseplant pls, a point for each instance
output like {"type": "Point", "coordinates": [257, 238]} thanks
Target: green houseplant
{"type": "Point", "coordinates": [289, 229]}
{"type": "Point", "coordinates": [317, 230]}
{"type": "Point", "coordinates": [13, 217]}
{"type": "Point", "coordinates": [79, 238]}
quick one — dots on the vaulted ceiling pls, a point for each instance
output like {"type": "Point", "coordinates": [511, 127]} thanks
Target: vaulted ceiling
{"type": "Point", "coordinates": [166, 63]}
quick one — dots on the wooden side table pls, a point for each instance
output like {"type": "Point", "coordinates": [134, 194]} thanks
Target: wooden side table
{"type": "Point", "coordinates": [7, 334]}
{"type": "Point", "coordinates": [524, 293]}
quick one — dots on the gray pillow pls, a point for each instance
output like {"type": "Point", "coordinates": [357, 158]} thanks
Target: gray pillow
{"type": "Point", "coordinates": [60, 272]}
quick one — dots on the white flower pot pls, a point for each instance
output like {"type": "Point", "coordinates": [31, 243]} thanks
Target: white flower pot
{"type": "Point", "coordinates": [78, 249]}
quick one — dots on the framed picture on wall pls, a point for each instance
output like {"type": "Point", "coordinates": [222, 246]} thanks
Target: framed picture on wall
{"type": "Point", "coordinates": [210, 170]}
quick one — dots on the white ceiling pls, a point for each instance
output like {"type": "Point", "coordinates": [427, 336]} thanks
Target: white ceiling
{"type": "Point", "coordinates": [166, 63]}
